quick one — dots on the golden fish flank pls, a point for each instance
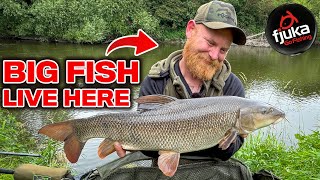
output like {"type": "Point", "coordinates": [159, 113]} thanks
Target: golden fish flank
{"type": "Point", "coordinates": [167, 125]}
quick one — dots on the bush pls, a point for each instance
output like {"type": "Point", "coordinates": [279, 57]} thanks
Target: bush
{"type": "Point", "coordinates": [14, 137]}
{"type": "Point", "coordinates": [302, 162]}
{"type": "Point", "coordinates": [75, 20]}
{"type": "Point", "coordinates": [12, 14]}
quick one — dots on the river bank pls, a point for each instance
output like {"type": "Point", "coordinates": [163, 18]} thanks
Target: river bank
{"type": "Point", "coordinates": [265, 151]}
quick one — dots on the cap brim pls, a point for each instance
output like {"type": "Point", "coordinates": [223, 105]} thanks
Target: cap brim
{"type": "Point", "coordinates": [239, 36]}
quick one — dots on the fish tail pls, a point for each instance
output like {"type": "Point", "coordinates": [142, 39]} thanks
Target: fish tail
{"type": "Point", "coordinates": [64, 131]}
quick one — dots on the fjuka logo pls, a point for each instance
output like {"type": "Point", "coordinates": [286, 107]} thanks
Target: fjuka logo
{"type": "Point", "coordinates": [289, 34]}
{"type": "Point", "coordinates": [291, 29]}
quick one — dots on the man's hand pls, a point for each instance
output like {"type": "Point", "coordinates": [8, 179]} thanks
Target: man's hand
{"type": "Point", "coordinates": [120, 151]}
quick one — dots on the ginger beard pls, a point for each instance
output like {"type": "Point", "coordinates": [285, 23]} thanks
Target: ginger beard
{"type": "Point", "coordinates": [200, 65]}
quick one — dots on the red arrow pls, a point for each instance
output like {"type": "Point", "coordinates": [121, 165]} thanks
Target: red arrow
{"type": "Point", "coordinates": [141, 42]}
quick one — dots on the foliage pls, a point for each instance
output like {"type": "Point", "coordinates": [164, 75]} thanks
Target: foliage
{"type": "Point", "coordinates": [79, 21]}
{"type": "Point", "coordinates": [173, 14]}
{"type": "Point", "coordinates": [169, 34]}
{"type": "Point", "coordinates": [302, 162]}
{"type": "Point", "coordinates": [15, 138]}
{"type": "Point", "coordinates": [10, 126]}
{"type": "Point", "coordinates": [252, 14]}
{"type": "Point", "coordinates": [103, 20]}
{"type": "Point", "coordinates": [12, 14]}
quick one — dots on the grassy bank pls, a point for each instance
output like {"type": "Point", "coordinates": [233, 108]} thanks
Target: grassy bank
{"type": "Point", "coordinates": [15, 138]}
{"type": "Point", "coordinates": [301, 162]}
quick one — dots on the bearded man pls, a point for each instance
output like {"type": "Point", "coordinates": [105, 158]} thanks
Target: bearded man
{"type": "Point", "coordinates": [201, 68]}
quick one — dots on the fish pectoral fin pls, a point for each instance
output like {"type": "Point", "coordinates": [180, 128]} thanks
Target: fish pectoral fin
{"type": "Point", "coordinates": [168, 162]}
{"type": "Point", "coordinates": [105, 148]}
{"type": "Point", "coordinates": [230, 136]}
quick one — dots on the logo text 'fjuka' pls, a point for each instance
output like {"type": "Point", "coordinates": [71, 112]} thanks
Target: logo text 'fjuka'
{"type": "Point", "coordinates": [297, 34]}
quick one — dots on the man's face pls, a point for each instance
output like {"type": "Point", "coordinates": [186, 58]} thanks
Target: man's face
{"type": "Point", "coordinates": [205, 51]}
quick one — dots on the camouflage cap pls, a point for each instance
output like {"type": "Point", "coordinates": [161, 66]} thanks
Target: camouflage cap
{"type": "Point", "coordinates": [220, 15]}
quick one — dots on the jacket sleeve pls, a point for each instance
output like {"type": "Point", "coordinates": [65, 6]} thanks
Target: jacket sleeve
{"type": "Point", "coordinates": [233, 87]}
{"type": "Point", "coordinates": [151, 86]}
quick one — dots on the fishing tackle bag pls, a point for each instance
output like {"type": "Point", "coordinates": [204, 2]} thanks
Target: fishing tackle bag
{"type": "Point", "coordinates": [137, 166]}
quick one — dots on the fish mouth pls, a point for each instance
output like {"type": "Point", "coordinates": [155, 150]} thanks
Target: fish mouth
{"type": "Point", "coordinates": [281, 116]}
{"type": "Point", "coordinates": [278, 120]}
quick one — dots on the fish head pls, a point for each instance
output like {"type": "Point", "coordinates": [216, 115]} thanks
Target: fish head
{"type": "Point", "coordinates": [257, 116]}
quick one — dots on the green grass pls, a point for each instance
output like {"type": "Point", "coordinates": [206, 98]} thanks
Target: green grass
{"type": "Point", "coordinates": [15, 138]}
{"type": "Point", "coordinates": [266, 152]}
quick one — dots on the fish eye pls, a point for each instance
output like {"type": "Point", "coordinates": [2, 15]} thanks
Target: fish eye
{"type": "Point", "coordinates": [264, 110]}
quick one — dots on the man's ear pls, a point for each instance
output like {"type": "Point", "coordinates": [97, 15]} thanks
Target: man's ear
{"type": "Point", "coordinates": [190, 27]}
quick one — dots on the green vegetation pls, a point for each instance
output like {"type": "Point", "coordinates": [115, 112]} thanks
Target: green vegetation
{"type": "Point", "coordinates": [99, 21]}
{"type": "Point", "coordinates": [15, 138]}
{"type": "Point", "coordinates": [302, 162]}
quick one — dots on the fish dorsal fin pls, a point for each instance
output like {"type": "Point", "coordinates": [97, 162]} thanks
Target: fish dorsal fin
{"type": "Point", "coordinates": [153, 102]}
{"type": "Point", "coordinates": [155, 99]}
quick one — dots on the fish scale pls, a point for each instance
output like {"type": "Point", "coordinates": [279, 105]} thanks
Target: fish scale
{"type": "Point", "coordinates": [167, 124]}
{"type": "Point", "coordinates": [201, 127]}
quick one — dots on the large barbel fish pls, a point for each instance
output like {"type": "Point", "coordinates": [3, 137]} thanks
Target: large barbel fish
{"type": "Point", "coordinates": [168, 125]}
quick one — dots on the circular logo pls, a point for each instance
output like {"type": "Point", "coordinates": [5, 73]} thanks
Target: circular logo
{"type": "Point", "coordinates": [291, 29]}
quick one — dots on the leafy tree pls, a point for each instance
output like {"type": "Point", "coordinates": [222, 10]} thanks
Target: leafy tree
{"type": "Point", "coordinates": [103, 20]}
{"type": "Point", "coordinates": [174, 13]}
{"type": "Point", "coordinates": [12, 14]}
{"type": "Point", "coordinates": [76, 20]}
{"type": "Point", "coordinates": [252, 14]}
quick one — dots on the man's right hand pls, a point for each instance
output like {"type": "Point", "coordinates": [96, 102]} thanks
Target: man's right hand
{"type": "Point", "coordinates": [120, 151]}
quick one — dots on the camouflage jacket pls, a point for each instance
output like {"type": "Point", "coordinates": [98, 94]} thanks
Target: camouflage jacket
{"type": "Point", "coordinates": [165, 78]}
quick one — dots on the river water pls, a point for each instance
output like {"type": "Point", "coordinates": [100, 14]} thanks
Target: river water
{"type": "Point", "coordinates": [289, 83]}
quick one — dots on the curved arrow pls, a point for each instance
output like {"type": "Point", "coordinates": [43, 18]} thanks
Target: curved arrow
{"type": "Point", "coordinates": [142, 43]}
